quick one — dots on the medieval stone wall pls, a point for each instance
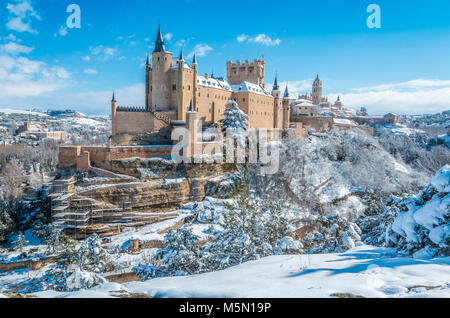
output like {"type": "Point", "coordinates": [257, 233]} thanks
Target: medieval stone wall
{"type": "Point", "coordinates": [140, 122]}
{"type": "Point", "coordinates": [319, 124]}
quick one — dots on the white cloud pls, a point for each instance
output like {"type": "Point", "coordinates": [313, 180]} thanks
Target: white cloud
{"type": "Point", "coordinates": [242, 38]}
{"type": "Point", "coordinates": [200, 50]}
{"type": "Point", "coordinates": [21, 77]}
{"type": "Point", "coordinates": [103, 52]}
{"type": "Point", "coordinates": [62, 31]}
{"type": "Point", "coordinates": [86, 58]}
{"type": "Point", "coordinates": [10, 37]}
{"type": "Point", "coordinates": [260, 38]}
{"type": "Point", "coordinates": [410, 97]}
{"type": "Point", "coordinates": [181, 43]}
{"type": "Point", "coordinates": [14, 48]}
{"type": "Point", "coordinates": [294, 87]}
{"type": "Point", "coordinates": [168, 36]}
{"type": "Point", "coordinates": [90, 71]}
{"type": "Point", "coordinates": [91, 102]}
{"type": "Point", "coordinates": [21, 15]}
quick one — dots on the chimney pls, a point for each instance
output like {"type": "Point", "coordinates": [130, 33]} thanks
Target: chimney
{"type": "Point", "coordinates": [206, 75]}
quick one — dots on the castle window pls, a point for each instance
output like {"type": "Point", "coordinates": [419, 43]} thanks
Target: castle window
{"type": "Point", "coordinates": [174, 87]}
{"type": "Point", "coordinates": [158, 58]}
{"type": "Point", "coordinates": [189, 87]}
{"type": "Point", "coordinates": [243, 100]}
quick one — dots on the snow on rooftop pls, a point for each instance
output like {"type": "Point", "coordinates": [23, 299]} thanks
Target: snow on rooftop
{"type": "Point", "coordinates": [219, 83]}
{"type": "Point", "coordinates": [342, 121]}
{"type": "Point", "coordinates": [250, 87]}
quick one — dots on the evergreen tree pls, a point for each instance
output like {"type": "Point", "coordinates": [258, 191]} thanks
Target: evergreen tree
{"type": "Point", "coordinates": [6, 225]}
{"type": "Point", "coordinates": [235, 118]}
{"type": "Point", "coordinates": [21, 242]}
{"type": "Point", "coordinates": [182, 254]}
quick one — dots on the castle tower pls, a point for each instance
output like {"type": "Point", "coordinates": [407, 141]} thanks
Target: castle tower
{"type": "Point", "coordinates": [317, 91]}
{"type": "Point", "coordinates": [195, 69]}
{"type": "Point", "coordinates": [278, 105]}
{"type": "Point", "coordinates": [251, 72]}
{"type": "Point", "coordinates": [180, 98]}
{"type": "Point", "coordinates": [148, 101]}
{"type": "Point", "coordinates": [286, 108]}
{"type": "Point", "coordinates": [113, 115]}
{"type": "Point", "coordinates": [193, 125]}
{"type": "Point", "coordinates": [160, 75]}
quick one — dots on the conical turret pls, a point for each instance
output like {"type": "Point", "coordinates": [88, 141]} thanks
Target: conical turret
{"type": "Point", "coordinates": [159, 43]}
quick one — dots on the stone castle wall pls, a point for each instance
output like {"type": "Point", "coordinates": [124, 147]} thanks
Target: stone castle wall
{"type": "Point", "coordinates": [100, 156]}
{"type": "Point", "coordinates": [140, 122]}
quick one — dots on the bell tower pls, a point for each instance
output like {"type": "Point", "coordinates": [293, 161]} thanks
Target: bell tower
{"type": "Point", "coordinates": [317, 91]}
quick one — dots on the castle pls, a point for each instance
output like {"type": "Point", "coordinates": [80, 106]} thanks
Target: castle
{"type": "Point", "coordinates": [171, 84]}
{"type": "Point", "coordinates": [177, 96]}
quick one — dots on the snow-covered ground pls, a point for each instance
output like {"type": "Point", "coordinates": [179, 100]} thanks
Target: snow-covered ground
{"type": "Point", "coordinates": [9, 111]}
{"type": "Point", "coordinates": [364, 271]}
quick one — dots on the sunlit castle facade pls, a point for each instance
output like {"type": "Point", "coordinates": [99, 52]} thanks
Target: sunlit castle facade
{"type": "Point", "coordinates": [172, 84]}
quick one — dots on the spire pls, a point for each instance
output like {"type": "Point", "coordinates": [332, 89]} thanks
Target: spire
{"type": "Point", "coordinates": [339, 98]}
{"type": "Point", "coordinates": [194, 60]}
{"type": "Point", "coordinates": [286, 92]}
{"type": "Point", "coordinates": [159, 43]}
{"type": "Point", "coordinates": [276, 87]}
{"type": "Point", "coordinates": [148, 60]}
{"type": "Point", "coordinates": [191, 107]}
{"type": "Point", "coordinates": [113, 97]}
{"type": "Point", "coordinates": [181, 55]}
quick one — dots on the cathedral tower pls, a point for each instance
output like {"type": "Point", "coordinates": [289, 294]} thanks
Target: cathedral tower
{"type": "Point", "coordinates": [317, 91]}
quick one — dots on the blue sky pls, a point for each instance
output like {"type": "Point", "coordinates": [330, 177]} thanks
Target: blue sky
{"type": "Point", "coordinates": [403, 67]}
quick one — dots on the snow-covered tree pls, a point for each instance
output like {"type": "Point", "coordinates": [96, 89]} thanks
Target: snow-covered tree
{"type": "Point", "coordinates": [332, 234]}
{"type": "Point", "coordinates": [77, 268]}
{"type": "Point", "coordinates": [249, 230]}
{"type": "Point", "coordinates": [181, 256]}
{"type": "Point", "coordinates": [6, 225]}
{"type": "Point", "coordinates": [422, 226]}
{"type": "Point", "coordinates": [235, 119]}
{"type": "Point", "coordinates": [21, 241]}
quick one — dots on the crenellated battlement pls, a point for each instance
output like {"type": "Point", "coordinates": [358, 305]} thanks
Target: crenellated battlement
{"type": "Point", "coordinates": [135, 109]}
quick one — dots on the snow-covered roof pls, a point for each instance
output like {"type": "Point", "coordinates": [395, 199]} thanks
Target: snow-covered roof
{"type": "Point", "coordinates": [250, 87]}
{"type": "Point", "coordinates": [301, 100]}
{"type": "Point", "coordinates": [219, 83]}
{"type": "Point", "coordinates": [306, 103]}
{"type": "Point", "coordinates": [175, 64]}
{"type": "Point", "coordinates": [342, 121]}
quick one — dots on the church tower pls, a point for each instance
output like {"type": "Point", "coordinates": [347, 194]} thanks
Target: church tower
{"type": "Point", "coordinates": [317, 91]}
{"type": "Point", "coordinates": [160, 75]}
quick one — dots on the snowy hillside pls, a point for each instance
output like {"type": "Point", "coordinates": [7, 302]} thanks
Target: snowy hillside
{"type": "Point", "coordinates": [363, 271]}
